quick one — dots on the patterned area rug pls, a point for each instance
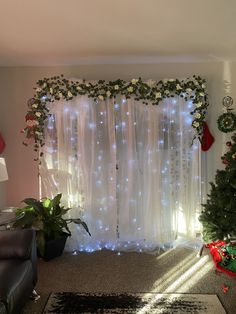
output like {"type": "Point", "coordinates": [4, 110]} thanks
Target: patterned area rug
{"type": "Point", "coordinates": [140, 303]}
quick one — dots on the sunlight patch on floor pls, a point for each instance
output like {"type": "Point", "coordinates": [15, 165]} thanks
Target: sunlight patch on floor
{"type": "Point", "coordinates": [192, 274]}
{"type": "Point", "coordinates": [169, 276]}
{"type": "Point", "coordinates": [182, 279]}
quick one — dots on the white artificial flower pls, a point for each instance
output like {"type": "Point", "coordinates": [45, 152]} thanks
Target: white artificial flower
{"type": "Point", "coordinates": [203, 85]}
{"type": "Point", "coordinates": [87, 85]}
{"type": "Point", "coordinates": [201, 94]}
{"type": "Point", "coordinates": [167, 91]}
{"type": "Point", "coordinates": [31, 123]}
{"type": "Point", "coordinates": [199, 104]}
{"type": "Point", "coordinates": [69, 94]}
{"type": "Point", "coordinates": [165, 81]}
{"type": "Point", "coordinates": [78, 87]}
{"type": "Point", "coordinates": [60, 95]}
{"type": "Point", "coordinates": [108, 93]}
{"type": "Point", "coordinates": [151, 83]}
{"type": "Point", "coordinates": [171, 80]}
{"type": "Point", "coordinates": [38, 133]}
{"type": "Point", "coordinates": [134, 81]}
{"type": "Point", "coordinates": [100, 97]}
{"type": "Point", "coordinates": [178, 87]}
{"type": "Point", "coordinates": [158, 95]}
{"type": "Point", "coordinates": [51, 90]}
{"type": "Point", "coordinates": [35, 106]}
{"type": "Point", "coordinates": [38, 90]}
{"type": "Point", "coordinates": [44, 85]}
{"type": "Point", "coordinates": [195, 124]}
{"type": "Point", "coordinates": [116, 87]}
{"type": "Point", "coordinates": [38, 114]}
{"type": "Point", "coordinates": [197, 115]}
{"type": "Point", "coordinates": [130, 89]}
{"type": "Point", "coordinates": [189, 90]}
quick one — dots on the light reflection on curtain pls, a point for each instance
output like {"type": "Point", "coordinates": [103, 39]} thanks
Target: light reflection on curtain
{"type": "Point", "coordinates": [129, 166]}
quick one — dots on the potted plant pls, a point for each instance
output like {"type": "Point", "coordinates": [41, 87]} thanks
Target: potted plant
{"type": "Point", "coordinates": [46, 216]}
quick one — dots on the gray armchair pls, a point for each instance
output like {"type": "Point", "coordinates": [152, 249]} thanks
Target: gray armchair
{"type": "Point", "coordinates": [18, 269]}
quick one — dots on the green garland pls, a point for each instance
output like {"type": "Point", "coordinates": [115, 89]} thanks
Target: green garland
{"type": "Point", "coordinates": [227, 122]}
{"type": "Point", "coordinates": [57, 88]}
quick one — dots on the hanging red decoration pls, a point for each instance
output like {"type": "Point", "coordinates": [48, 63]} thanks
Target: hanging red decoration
{"type": "Point", "coordinates": [2, 144]}
{"type": "Point", "coordinates": [207, 138]}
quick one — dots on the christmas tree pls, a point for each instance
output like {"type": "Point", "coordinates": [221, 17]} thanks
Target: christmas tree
{"type": "Point", "coordinates": [218, 216]}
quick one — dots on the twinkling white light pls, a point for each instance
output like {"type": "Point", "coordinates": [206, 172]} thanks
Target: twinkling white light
{"type": "Point", "coordinates": [189, 122]}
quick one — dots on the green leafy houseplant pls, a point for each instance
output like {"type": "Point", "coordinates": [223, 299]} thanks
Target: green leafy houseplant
{"type": "Point", "coordinates": [46, 216]}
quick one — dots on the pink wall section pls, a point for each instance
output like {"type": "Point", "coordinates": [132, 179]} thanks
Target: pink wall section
{"type": "Point", "coordinates": [16, 87]}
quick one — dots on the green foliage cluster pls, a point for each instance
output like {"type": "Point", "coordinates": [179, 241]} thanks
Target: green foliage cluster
{"type": "Point", "coordinates": [218, 216]}
{"type": "Point", "coordinates": [58, 88]}
{"type": "Point", "coordinates": [46, 216]}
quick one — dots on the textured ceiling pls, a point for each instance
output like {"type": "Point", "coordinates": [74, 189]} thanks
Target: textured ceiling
{"type": "Point", "coordinates": [73, 32]}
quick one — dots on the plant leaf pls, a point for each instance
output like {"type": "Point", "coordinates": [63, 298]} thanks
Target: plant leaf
{"type": "Point", "coordinates": [56, 200]}
{"type": "Point", "coordinates": [81, 222]}
{"type": "Point", "coordinates": [26, 221]}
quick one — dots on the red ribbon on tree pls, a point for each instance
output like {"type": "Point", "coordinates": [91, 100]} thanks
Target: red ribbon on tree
{"type": "Point", "coordinates": [2, 144]}
{"type": "Point", "coordinates": [207, 138]}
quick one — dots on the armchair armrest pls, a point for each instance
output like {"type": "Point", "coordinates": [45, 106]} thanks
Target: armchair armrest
{"type": "Point", "coordinates": [19, 244]}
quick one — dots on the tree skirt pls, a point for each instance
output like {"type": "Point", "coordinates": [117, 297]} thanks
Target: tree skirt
{"type": "Point", "coordinates": [224, 256]}
{"type": "Point", "coordinates": [142, 303]}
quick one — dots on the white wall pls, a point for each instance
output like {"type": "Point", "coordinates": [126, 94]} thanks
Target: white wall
{"type": "Point", "coordinates": [16, 87]}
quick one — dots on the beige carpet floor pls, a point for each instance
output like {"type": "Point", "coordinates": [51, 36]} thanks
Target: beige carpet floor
{"type": "Point", "coordinates": [175, 271]}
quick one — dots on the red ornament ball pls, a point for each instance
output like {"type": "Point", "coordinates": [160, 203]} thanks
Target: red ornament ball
{"type": "Point", "coordinates": [228, 144]}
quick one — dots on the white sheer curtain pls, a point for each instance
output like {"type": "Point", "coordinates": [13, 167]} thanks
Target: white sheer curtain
{"type": "Point", "coordinates": [127, 168]}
